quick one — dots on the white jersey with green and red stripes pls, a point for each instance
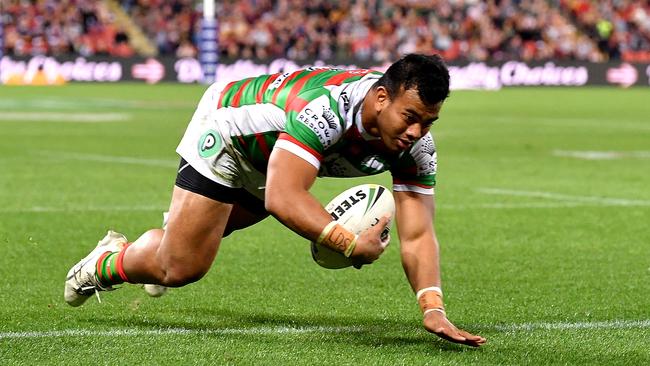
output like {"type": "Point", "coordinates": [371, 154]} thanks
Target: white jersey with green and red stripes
{"type": "Point", "coordinates": [315, 113]}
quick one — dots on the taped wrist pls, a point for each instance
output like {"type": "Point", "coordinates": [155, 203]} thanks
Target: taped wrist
{"type": "Point", "coordinates": [430, 299]}
{"type": "Point", "coordinates": [338, 238]}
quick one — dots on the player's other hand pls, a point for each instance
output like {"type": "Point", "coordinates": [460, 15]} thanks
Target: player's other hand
{"type": "Point", "coordinates": [438, 324]}
{"type": "Point", "coordinates": [370, 244]}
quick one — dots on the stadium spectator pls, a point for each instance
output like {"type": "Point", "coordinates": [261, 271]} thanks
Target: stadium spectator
{"type": "Point", "coordinates": [49, 27]}
{"type": "Point", "coordinates": [122, 48]}
{"type": "Point", "coordinates": [378, 30]}
{"type": "Point", "coordinates": [166, 22]}
{"type": "Point", "coordinates": [621, 27]}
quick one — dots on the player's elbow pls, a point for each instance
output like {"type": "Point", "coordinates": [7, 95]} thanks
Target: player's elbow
{"type": "Point", "coordinates": [275, 203]}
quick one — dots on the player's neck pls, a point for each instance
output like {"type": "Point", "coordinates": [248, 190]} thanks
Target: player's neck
{"type": "Point", "coordinates": [369, 114]}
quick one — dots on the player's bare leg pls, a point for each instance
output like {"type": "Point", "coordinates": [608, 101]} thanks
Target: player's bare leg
{"type": "Point", "coordinates": [183, 252]}
{"type": "Point", "coordinates": [239, 218]}
{"type": "Point", "coordinates": [179, 255]}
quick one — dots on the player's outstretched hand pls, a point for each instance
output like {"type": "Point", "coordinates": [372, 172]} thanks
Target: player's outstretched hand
{"type": "Point", "coordinates": [438, 324]}
{"type": "Point", "coordinates": [370, 245]}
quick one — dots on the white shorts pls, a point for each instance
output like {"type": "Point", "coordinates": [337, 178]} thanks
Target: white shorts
{"type": "Point", "coordinates": [207, 147]}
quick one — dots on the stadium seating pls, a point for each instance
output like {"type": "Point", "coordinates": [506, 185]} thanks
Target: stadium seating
{"type": "Point", "coordinates": [83, 27]}
{"type": "Point", "coordinates": [367, 30]}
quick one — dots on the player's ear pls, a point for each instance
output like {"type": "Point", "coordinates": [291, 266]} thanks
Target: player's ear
{"type": "Point", "coordinates": [381, 98]}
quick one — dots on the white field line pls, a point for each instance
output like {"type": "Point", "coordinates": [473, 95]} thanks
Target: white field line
{"type": "Point", "coordinates": [64, 117]}
{"type": "Point", "coordinates": [46, 209]}
{"type": "Point", "coordinates": [602, 155]}
{"type": "Point", "coordinates": [524, 205]}
{"type": "Point", "coordinates": [165, 163]}
{"type": "Point", "coordinates": [605, 201]}
{"type": "Point", "coordinates": [260, 331]}
{"type": "Point", "coordinates": [625, 124]}
{"type": "Point", "coordinates": [47, 103]}
{"type": "Point", "coordinates": [612, 324]}
{"type": "Point", "coordinates": [178, 331]}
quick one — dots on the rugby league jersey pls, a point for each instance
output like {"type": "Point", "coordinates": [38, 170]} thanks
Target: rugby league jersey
{"type": "Point", "coordinates": [315, 113]}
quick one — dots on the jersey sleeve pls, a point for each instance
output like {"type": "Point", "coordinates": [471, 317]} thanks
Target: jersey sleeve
{"type": "Point", "coordinates": [311, 127]}
{"type": "Point", "coordinates": [415, 170]}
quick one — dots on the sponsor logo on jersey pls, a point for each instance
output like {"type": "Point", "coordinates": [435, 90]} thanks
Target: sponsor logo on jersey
{"type": "Point", "coordinates": [339, 210]}
{"type": "Point", "coordinates": [330, 117]}
{"type": "Point", "coordinates": [374, 163]}
{"type": "Point", "coordinates": [321, 120]}
{"type": "Point", "coordinates": [277, 82]}
{"type": "Point", "coordinates": [427, 164]}
{"type": "Point", "coordinates": [346, 101]}
{"type": "Point", "coordinates": [427, 146]}
{"type": "Point", "coordinates": [209, 144]}
{"type": "Point", "coordinates": [314, 68]}
{"type": "Point", "coordinates": [424, 153]}
{"type": "Point", "coordinates": [430, 167]}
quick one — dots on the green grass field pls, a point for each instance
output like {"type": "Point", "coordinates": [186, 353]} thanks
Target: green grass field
{"type": "Point", "coordinates": [543, 217]}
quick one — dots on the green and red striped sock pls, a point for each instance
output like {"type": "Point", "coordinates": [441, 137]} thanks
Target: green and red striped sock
{"type": "Point", "coordinates": [110, 268]}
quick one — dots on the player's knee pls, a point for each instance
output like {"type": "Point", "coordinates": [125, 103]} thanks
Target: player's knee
{"type": "Point", "coordinates": [183, 274]}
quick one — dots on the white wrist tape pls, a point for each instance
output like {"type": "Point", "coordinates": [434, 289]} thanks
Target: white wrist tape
{"type": "Point", "coordinates": [432, 310]}
{"type": "Point", "coordinates": [426, 289]}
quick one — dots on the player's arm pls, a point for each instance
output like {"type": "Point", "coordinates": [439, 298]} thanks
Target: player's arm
{"type": "Point", "coordinates": [420, 259]}
{"type": "Point", "coordinates": [287, 198]}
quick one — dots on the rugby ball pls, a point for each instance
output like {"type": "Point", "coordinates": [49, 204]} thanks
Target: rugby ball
{"type": "Point", "coordinates": [357, 209]}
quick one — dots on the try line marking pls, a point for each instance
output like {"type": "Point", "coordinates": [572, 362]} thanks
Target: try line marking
{"type": "Point", "coordinates": [613, 324]}
{"type": "Point", "coordinates": [602, 155]}
{"type": "Point", "coordinates": [106, 208]}
{"type": "Point", "coordinates": [164, 163]}
{"type": "Point", "coordinates": [64, 117]}
{"type": "Point", "coordinates": [566, 197]}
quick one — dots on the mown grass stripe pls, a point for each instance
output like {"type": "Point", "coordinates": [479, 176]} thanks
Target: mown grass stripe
{"type": "Point", "coordinates": [176, 331]}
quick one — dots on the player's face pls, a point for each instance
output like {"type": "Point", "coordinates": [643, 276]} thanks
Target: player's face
{"type": "Point", "coordinates": [405, 119]}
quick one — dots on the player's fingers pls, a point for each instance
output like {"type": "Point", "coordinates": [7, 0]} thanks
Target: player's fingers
{"type": "Point", "coordinates": [472, 337]}
{"type": "Point", "coordinates": [385, 241]}
{"type": "Point", "coordinates": [450, 335]}
{"type": "Point", "coordinates": [380, 229]}
{"type": "Point", "coordinates": [459, 336]}
{"type": "Point", "coordinates": [473, 343]}
{"type": "Point", "coordinates": [383, 222]}
{"type": "Point", "coordinates": [472, 340]}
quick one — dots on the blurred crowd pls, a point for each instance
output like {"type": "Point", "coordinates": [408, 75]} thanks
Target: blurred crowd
{"type": "Point", "coordinates": [461, 29]}
{"type": "Point", "coordinates": [61, 27]}
{"type": "Point", "coordinates": [621, 28]}
{"type": "Point", "coordinates": [170, 24]}
{"type": "Point", "coordinates": [377, 30]}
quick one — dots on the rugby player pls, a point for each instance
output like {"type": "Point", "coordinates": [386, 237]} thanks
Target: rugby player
{"type": "Point", "coordinates": [256, 146]}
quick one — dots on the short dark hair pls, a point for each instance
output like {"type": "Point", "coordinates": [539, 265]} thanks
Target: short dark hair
{"type": "Point", "coordinates": [428, 74]}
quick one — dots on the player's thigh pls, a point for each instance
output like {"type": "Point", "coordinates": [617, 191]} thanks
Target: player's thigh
{"type": "Point", "coordinates": [247, 211]}
{"type": "Point", "coordinates": [194, 229]}
{"type": "Point", "coordinates": [241, 218]}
